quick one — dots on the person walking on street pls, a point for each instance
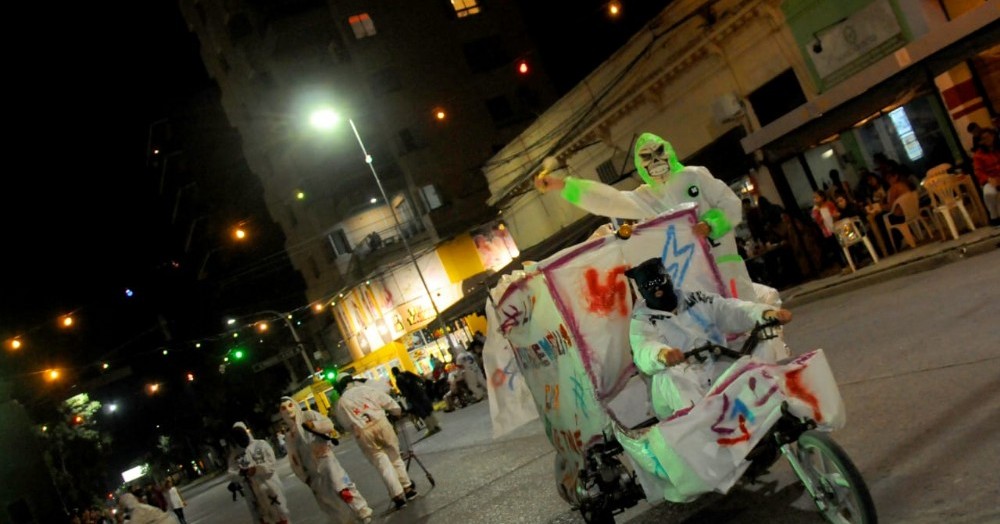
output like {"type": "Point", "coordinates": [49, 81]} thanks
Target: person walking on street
{"type": "Point", "coordinates": [415, 392]}
{"type": "Point", "coordinates": [310, 453]}
{"type": "Point", "coordinates": [252, 463]}
{"type": "Point", "coordinates": [362, 409]}
{"type": "Point", "coordinates": [174, 500]}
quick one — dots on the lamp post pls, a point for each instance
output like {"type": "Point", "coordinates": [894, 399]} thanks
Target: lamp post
{"type": "Point", "coordinates": [295, 336]}
{"type": "Point", "coordinates": [326, 119]}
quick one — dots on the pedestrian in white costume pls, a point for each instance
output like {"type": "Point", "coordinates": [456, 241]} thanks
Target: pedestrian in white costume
{"type": "Point", "coordinates": [314, 462]}
{"type": "Point", "coordinates": [252, 464]}
{"type": "Point", "coordinates": [469, 370]}
{"type": "Point", "coordinates": [139, 513]}
{"type": "Point", "coordinates": [667, 184]}
{"type": "Point", "coordinates": [362, 409]}
{"type": "Point", "coordinates": [667, 322]}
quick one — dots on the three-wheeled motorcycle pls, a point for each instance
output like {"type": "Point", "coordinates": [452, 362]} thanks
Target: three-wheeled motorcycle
{"type": "Point", "coordinates": [567, 319]}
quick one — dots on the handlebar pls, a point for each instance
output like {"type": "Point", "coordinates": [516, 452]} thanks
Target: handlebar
{"type": "Point", "coordinates": [760, 332]}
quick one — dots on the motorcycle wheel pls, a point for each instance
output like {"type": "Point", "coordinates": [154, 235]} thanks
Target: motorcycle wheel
{"type": "Point", "coordinates": [841, 493]}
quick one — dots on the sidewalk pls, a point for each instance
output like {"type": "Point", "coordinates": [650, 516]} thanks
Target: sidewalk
{"type": "Point", "coordinates": [921, 258]}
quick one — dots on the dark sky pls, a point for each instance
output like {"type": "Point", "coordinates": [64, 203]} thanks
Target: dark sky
{"type": "Point", "coordinates": [80, 225]}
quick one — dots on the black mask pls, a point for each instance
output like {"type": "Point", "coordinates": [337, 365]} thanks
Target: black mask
{"type": "Point", "coordinates": [654, 285]}
{"type": "Point", "coordinates": [240, 437]}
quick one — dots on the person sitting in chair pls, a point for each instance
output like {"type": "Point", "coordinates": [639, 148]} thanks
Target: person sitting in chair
{"type": "Point", "coordinates": [666, 322]}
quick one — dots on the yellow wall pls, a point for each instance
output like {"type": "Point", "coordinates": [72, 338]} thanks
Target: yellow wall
{"type": "Point", "coordinates": [476, 322]}
{"type": "Point", "coordinates": [460, 258]}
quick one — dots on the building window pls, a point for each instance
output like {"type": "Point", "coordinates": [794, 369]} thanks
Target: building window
{"type": "Point", "coordinates": [362, 26]}
{"type": "Point", "coordinates": [465, 8]}
{"type": "Point", "coordinates": [778, 96]}
{"type": "Point", "coordinates": [485, 54]}
{"type": "Point", "coordinates": [905, 133]}
{"type": "Point", "coordinates": [432, 199]}
{"type": "Point", "coordinates": [339, 243]}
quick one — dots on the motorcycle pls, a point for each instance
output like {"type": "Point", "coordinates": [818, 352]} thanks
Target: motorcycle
{"type": "Point", "coordinates": [567, 323]}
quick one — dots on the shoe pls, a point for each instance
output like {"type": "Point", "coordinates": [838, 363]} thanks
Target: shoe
{"type": "Point", "coordinates": [400, 501]}
{"type": "Point", "coordinates": [410, 492]}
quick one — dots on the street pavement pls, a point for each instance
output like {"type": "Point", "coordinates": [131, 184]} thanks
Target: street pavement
{"type": "Point", "coordinates": [912, 342]}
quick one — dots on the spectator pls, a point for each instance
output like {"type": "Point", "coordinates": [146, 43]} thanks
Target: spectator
{"type": "Point", "coordinates": [986, 162]}
{"type": "Point", "coordinates": [825, 213]}
{"type": "Point", "coordinates": [414, 390]}
{"type": "Point", "coordinates": [174, 500]}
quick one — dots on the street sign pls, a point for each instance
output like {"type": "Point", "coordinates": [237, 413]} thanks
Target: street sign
{"type": "Point", "coordinates": [275, 360]}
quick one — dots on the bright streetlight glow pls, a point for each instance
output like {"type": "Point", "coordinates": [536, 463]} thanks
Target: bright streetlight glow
{"type": "Point", "coordinates": [300, 195]}
{"type": "Point", "coordinates": [324, 119]}
{"type": "Point", "coordinates": [230, 321]}
{"type": "Point", "coordinates": [240, 233]}
{"type": "Point", "coordinates": [67, 321]}
{"type": "Point", "coordinates": [373, 200]}
{"type": "Point", "coordinates": [440, 114]}
{"type": "Point", "coordinates": [112, 407]}
{"type": "Point", "coordinates": [262, 326]}
{"type": "Point", "coordinates": [614, 8]}
{"type": "Point", "coordinates": [153, 388]}
{"type": "Point", "coordinates": [105, 365]}
{"type": "Point", "coordinates": [52, 374]}
{"type": "Point", "coordinates": [15, 344]}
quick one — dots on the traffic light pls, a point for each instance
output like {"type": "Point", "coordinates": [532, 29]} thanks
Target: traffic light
{"type": "Point", "coordinates": [330, 374]}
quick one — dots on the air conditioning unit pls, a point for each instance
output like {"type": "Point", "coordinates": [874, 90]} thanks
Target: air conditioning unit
{"type": "Point", "coordinates": [727, 108]}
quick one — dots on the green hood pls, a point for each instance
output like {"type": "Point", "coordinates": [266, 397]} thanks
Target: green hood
{"type": "Point", "coordinates": [675, 165]}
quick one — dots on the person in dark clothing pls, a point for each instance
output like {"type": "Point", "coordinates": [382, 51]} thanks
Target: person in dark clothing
{"type": "Point", "coordinates": [413, 389]}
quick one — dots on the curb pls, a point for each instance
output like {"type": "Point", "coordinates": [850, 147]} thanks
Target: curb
{"type": "Point", "coordinates": [917, 265]}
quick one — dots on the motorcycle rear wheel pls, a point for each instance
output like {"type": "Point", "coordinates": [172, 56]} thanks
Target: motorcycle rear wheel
{"type": "Point", "coordinates": [841, 493]}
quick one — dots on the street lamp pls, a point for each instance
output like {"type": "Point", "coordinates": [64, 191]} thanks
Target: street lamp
{"type": "Point", "coordinates": [295, 336]}
{"type": "Point", "coordinates": [325, 119]}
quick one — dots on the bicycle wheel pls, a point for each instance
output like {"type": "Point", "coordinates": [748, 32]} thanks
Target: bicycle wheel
{"type": "Point", "coordinates": [841, 493]}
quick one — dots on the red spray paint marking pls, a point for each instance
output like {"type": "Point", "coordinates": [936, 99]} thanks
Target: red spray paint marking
{"type": "Point", "coordinates": [793, 381]}
{"type": "Point", "coordinates": [744, 435]}
{"type": "Point", "coordinates": [612, 294]}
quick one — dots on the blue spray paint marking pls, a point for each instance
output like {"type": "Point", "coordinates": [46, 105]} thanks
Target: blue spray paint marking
{"type": "Point", "coordinates": [676, 270]}
{"type": "Point", "coordinates": [511, 370]}
{"type": "Point", "coordinates": [741, 408]}
{"type": "Point", "coordinates": [658, 468]}
{"type": "Point", "coordinates": [578, 395]}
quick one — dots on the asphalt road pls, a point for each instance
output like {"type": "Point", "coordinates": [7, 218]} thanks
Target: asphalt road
{"type": "Point", "coordinates": [918, 363]}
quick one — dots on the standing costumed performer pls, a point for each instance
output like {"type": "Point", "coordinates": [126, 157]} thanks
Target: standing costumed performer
{"type": "Point", "coordinates": [667, 183]}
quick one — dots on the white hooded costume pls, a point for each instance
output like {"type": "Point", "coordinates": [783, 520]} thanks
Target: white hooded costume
{"type": "Point", "coordinates": [139, 513]}
{"type": "Point", "coordinates": [253, 466]}
{"type": "Point", "coordinates": [314, 462]}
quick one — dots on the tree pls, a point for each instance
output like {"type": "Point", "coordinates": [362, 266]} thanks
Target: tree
{"type": "Point", "coordinates": [77, 451]}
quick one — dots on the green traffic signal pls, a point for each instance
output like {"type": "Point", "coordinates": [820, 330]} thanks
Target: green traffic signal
{"type": "Point", "coordinates": [238, 354]}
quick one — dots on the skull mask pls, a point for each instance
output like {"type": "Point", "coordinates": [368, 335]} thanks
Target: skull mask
{"type": "Point", "coordinates": [289, 411]}
{"type": "Point", "coordinates": [655, 159]}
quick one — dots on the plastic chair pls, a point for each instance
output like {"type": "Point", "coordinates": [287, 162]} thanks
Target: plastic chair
{"type": "Point", "coordinates": [850, 231]}
{"type": "Point", "coordinates": [946, 198]}
{"type": "Point", "coordinates": [909, 203]}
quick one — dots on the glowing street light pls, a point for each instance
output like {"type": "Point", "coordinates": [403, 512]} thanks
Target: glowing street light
{"type": "Point", "coordinates": [66, 321]}
{"type": "Point", "coordinates": [14, 344]}
{"type": "Point", "coordinates": [325, 119]}
{"type": "Point", "coordinates": [52, 375]}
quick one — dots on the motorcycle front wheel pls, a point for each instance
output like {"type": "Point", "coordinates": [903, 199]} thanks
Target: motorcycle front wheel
{"type": "Point", "coordinates": [840, 491]}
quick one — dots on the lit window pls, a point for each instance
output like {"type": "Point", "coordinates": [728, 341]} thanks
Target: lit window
{"type": "Point", "coordinates": [362, 25]}
{"type": "Point", "coordinates": [465, 7]}
{"type": "Point", "coordinates": [906, 135]}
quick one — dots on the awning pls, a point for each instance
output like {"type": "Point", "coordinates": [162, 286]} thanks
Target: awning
{"type": "Point", "coordinates": [476, 288]}
{"type": "Point", "coordinates": [888, 83]}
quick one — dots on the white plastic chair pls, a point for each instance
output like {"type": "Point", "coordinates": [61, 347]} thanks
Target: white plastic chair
{"type": "Point", "coordinates": [946, 198]}
{"type": "Point", "coordinates": [850, 231]}
{"type": "Point", "coordinates": [909, 203]}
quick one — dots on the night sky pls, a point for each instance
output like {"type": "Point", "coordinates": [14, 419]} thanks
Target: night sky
{"type": "Point", "coordinates": [84, 83]}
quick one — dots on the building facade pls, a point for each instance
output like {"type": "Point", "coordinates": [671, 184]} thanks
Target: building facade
{"type": "Point", "coordinates": [769, 95]}
{"type": "Point", "coordinates": [432, 91]}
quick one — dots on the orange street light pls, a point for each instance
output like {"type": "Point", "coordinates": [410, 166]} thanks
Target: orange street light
{"type": "Point", "coordinates": [66, 321]}
{"type": "Point", "coordinates": [14, 344]}
{"type": "Point", "coordinates": [52, 374]}
{"type": "Point", "coordinates": [239, 233]}
{"type": "Point", "coordinates": [614, 8]}
{"type": "Point", "coordinates": [262, 326]}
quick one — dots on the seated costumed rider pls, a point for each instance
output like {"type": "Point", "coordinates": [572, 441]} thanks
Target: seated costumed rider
{"type": "Point", "coordinates": [666, 322]}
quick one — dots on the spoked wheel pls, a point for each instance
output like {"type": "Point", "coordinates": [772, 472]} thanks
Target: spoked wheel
{"type": "Point", "coordinates": [839, 489]}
